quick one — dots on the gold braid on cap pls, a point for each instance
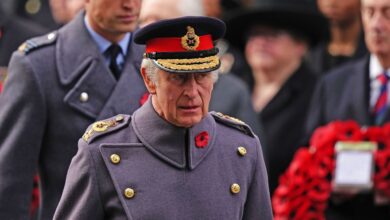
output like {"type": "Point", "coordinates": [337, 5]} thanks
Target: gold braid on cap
{"type": "Point", "coordinates": [190, 64]}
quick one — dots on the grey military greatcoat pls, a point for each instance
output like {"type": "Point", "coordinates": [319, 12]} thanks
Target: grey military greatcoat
{"type": "Point", "coordinates": [58, 84]}
{"type": "Point", "coordinates": [142, 167]}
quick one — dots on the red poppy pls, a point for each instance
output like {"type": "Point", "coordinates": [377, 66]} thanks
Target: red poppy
{"type": "Point", "coordinates": [144, 98]}
{"type": "Point", "coordinates": [202, 139]}
{"type": "Point", "coordinates": [35, 196]}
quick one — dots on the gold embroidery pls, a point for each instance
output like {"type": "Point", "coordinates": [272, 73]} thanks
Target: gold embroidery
{"type": "Point", "coordinates": [190, 41]}
{"type": "Point", "coordinates": [99, 126]}
{"type": "Point", "coordinates": [190, 64]}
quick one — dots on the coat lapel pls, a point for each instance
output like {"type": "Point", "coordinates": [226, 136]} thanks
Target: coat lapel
{"type": "Point", "coordinates": [126, 96]}
{"type": "Point", "coordinates": [174, 145]}
{"type": "Point", "coordinates": [359, 94]}
{"type": "Point", "coordinates": [83, 71]}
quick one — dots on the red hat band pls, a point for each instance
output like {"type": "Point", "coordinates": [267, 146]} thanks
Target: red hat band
{"type": "Point", "coordinates": [189, 42]}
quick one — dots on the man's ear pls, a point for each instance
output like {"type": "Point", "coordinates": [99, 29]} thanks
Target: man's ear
{"type": "Point", "coordinates": [150, 85]}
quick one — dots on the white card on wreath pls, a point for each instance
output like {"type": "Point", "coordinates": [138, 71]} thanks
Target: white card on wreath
{"type": "Point", "coordinates": [354, 166]}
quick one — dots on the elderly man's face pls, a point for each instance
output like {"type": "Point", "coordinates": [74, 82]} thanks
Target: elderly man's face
{"type": "Point", "coordinates": [112, 19]}
{"type": "Point", "coordinates": [181, 99]}
{"type": "Point", "coordinates": [376, 21]}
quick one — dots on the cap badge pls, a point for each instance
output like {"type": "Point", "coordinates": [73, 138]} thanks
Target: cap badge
{"type": "Point", "coordinates": [190, 41]}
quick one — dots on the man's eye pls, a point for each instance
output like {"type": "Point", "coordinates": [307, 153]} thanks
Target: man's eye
{"type": "Point", "coordinates": [201, 76]}
{"type": "Point", "coordinates": [369, 12]}
{"type": "Point", "coordinates": [178, 77]}
{"type": "Point", "coordinates": [386, 13]}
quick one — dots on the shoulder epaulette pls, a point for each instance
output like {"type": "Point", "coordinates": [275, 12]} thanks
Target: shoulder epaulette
{"type": "Point", "coordinates": [233, 122]}
{"type": "Point", "coordinates": [104, 127]}
{"type": "Point", "coordinates": [38, 42]}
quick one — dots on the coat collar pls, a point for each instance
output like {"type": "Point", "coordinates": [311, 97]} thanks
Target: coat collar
{"type": "Point", "coordinates": [174, 145]}
{"type": "Point", "coordinates": [70, 59]}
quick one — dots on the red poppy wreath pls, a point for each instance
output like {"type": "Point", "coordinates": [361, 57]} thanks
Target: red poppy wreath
{"type": "Point", "coordinates": [305, 187]}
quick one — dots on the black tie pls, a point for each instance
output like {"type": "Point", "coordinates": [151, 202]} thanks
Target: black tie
{"type": "Point", "coordinates": [114, 51]}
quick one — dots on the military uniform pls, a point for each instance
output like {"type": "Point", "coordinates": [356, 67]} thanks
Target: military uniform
{"type": "Point", "coordinates": [57, 85]}
{"type": "Point", "coordinates": [150, 166]}
{"type": "Point", "coordinates": [142, 167]}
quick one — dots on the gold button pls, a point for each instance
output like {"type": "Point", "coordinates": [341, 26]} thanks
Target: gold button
{"type": "Point", "coordinates": [119, 118]}
{"type": "Point", "coordinates": [84, 97]}
{"type": "Point", "coordinates": [235, 188]}
{"type": "Point", "coordinates": [129, 193]}
{"type": "Point", "coordinates": [115, 158]}
{"type": "Point", "coordinates": [241, 151]}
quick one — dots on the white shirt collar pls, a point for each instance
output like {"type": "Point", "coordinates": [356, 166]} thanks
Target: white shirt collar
{"type": "Point", "coordinates": [375, 67]}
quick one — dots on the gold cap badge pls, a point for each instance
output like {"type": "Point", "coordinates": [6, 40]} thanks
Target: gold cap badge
{"type": "Point", "coordinates": [190, 41]}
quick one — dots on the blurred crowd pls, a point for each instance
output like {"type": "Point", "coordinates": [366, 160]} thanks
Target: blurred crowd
{"type": "Point", "coordinates": [288, 67]}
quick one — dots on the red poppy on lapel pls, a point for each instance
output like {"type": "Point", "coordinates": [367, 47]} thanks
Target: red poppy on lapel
{"type": "Point", "coordinates": [202, 139]}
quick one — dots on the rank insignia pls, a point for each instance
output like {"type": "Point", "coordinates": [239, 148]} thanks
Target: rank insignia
{"type": "Point", "coordinates": [190, 41]}
{"type": "Point", "coordinates": [101, 126]}
{"type": "Point", "coordinates": [230, 118]}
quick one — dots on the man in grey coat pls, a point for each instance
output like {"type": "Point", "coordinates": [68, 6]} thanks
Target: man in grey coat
{"type": "Point", "coordinates": [57, 85]}
{"type": "Point", "coordinates": [172, 159]}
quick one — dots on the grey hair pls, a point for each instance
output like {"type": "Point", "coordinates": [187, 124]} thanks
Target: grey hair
{"type": "Point", "coordinates": [151, 71]}
{"type": "Point", "coordinates": [215, 75]}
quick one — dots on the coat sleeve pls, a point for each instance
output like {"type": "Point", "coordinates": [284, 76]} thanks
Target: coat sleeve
{"type": "Point", "coordinates": [80, 199]}
{"type": "Point", "coordinates": [22, 124]}
{"type": "Point", "coordinates": [258, 203]}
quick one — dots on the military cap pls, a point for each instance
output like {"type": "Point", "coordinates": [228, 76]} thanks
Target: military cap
{"type": "Point", "coordinates": [183, 45]}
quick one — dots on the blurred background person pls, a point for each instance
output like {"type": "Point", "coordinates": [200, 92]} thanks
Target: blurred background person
{"type": "Point", "coordinates": [276, 35]}
{"type": "Point", "coordinates": [36, 11]}
{"type": "Point", "coordinates": [358, 91]}
{"type": "Point", "coordinates": [345, 41]}
{"type": "Point", "coordinates": [13, 32]}
{"type": "Point", "coordinates": [24, 19]}
{"type": "Point", "coordinates": [232, 59]}
{"type": "Point", "coordinates": [230, 95]}
{"type": "Point", "coordinates": [50, 14]}
{"type": "Point", "coordinates": [57, 85]}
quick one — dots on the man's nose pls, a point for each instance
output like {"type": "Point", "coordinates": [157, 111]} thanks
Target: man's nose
{"type": "Point", "coordinates": [130, 3]}
{"type": "Point", "coordinates": [191, 87]}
